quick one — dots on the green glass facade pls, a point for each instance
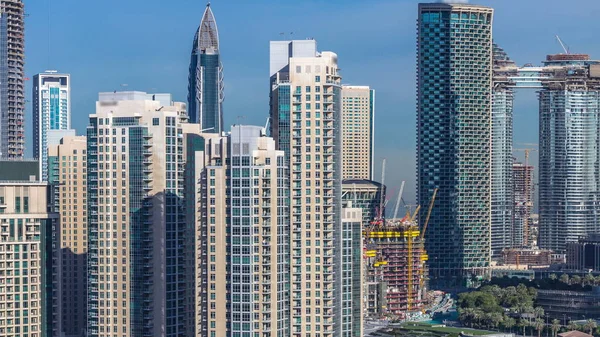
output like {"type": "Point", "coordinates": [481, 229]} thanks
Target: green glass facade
{"type": "Point", "coordinates": [453, 138]}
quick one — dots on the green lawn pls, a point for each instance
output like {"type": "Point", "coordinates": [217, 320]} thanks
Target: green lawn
{"type": "Point", "coordinates": [424, 329]}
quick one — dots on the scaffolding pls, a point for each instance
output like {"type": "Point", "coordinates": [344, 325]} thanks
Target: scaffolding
{"type": "Point", "coordinates": [395, 256]}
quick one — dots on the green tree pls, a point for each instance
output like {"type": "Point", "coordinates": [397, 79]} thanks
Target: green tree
{"type": "Point", "coordinates": [597, 280]}
{"type": "Point", "coordinates": [590, 325]}
{"type": "Point", "coordinates": [539, 326]}
{"type": "Point", "coordinates": [564, 278]}
{"type": "Point", "coordinates": [538, 312]}
{"type": "Point", "coordinates": [523, 324]}
{"type": "Point", "coordinates": [553, 277]}
{"type": "Point", "coordinates": [588, 279]}
{"type": "Point", "coordinates": [555, 327]}
{"type": "Point", "coordinates": [576, 279]}
{"type": "Point", "coordinates": [572, 326]}
{"type": "Point", "coordinates": [508, 323]}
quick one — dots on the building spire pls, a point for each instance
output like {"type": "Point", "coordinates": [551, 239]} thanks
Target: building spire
{"type": "Point", "coordinates": [208, 34]}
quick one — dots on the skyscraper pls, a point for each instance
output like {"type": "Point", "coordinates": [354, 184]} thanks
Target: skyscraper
{"type": "Point", "coordinates": [305, 112]}
{"type": "Point", "coordinates": [454, 107]}
{"type": "Point", "coordinates": [358, 132]}
{"type": "Point", "coordinates": [136, 218]}
{"type": "Point", "coordinates": [569, 151]}
{"type": "Point", "coordinates": [12, 89]}
{"type": "Point", "coordinates": [26, 229]}
{"type": "Point", "coordinates": [523, 204]}
{"type": "Point", "coordinates": [67, 182]}
{"type": "Point", "coordinates": [205, 88]}
{"type": "Point", "coordinates": [237, 194]}
{"type": "Point", "coordinates": [51, 114]}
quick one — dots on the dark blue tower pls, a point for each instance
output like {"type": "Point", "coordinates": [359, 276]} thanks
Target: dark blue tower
{"type": "Point", "coordinates": [205, 90]}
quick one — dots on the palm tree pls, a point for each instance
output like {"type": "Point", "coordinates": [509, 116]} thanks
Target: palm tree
{"type": "Point", "coordinates": [564, 278]}
{"type": "Point", "coordinates": [597, 280]}
{"type": "Point", "coordinates": [576, 279]}
{"type": "Point", "coordinates": [539, 326]}
{"type": "Point", "coordinates": [555, 327]}
{"type": "Point", "coordinates": [509, 323]}
{"type": "Point", "coordinates": [553, 277]}
{"type": "Point", "coordinates": [590, 325]}
{"type": "Point", "coordinates": [538, 311]}
{"type": "Point", "coordinates": [572, 326]}
{"type": "Point", "coordinates": [523, 324]}
{"type": "Point", "coordinates": [588, 279]}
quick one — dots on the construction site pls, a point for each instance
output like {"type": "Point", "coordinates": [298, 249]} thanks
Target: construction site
{"type": "Point", "coordinates": [395, 263]}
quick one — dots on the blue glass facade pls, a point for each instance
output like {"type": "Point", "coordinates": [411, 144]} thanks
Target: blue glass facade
{"type": "Point", "coordinates": [453, 138]}
{"type": "Point", "coordinates": [205, 87]}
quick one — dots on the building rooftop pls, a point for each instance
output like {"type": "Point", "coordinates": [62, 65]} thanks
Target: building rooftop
{"type": "Point", "coordinates": [574, 333]}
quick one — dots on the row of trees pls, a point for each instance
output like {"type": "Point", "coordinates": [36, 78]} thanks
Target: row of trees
{"type": "Point", "coordinates": [587, 280]}
{"type": "Point", "coordinates": [496, 308]}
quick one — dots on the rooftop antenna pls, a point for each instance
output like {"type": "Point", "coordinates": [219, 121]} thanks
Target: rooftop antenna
{"type": "Point", "coordinates": [565, 48]}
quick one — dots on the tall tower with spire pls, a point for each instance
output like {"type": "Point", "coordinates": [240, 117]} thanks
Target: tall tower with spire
{"type": "Point", "coordinates": [205, 89]}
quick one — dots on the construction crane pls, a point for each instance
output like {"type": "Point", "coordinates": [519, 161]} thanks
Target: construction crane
{"type": "Point", "coordinates": [528, 186]}
{"type": "Point", "coordinates": [428, 213]}
{"type": "Point", "coordinates": [398, 201]}
{"type": "Point", "coordinates": [379, 217]}
{"type": "Point", "coordinates": [565, 48]}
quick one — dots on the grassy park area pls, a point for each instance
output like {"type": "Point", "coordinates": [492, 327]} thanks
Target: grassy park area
{"type": "Point", "coordinates": [429, 330]}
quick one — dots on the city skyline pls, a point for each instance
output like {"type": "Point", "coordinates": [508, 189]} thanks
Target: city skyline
{"type": "Point", "coordinates": [387, 67]}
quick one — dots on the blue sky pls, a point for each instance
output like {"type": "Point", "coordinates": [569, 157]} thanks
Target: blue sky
{"type": "Point", "coordinates": [146, 44]}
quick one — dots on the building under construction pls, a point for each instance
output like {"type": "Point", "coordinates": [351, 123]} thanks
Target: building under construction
{"type": "Point", "coordinates": [395, 266]}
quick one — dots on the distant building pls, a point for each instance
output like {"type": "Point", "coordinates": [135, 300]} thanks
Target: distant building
{"type": "Point", "coordinates": [523, 204]}
{"type": "Point", "coordinates": [237, 192]}
{"type": "Point", "coordinates": [366, 195]}
{"type": "Point", "coordinates": [205, 88]}
{"type": "Point", "coordinates": [67, 170]}
{"type": "Point", "coordinates": [527, 257]}
{"type": "Point", "coordinates": [351, 269]}
{"type": "Point", "coordinates": [26, 259]}
{"type": "Point", "coordinates": [570, 305]}
{"type": "Point", "coordinates": [51, 113]}
{"type": "Point", "coordinates": [454, 109]}
{"type": "Point", "coordinates": [12, 76]}
{"type": "Point", "coordinates": [584, 254]}
{"type": "Point", "coordinates": [20, 169]}
{"type": "Point", "coordinates": [569, 180]}
{"type": "Point", "coordinates": [358, 132]}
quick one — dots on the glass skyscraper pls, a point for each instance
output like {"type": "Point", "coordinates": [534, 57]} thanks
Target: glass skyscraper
{"type": "Point", "coordinates": [51, 114]}
{"type": "Point", "coordinates": [205, 89]}
{"type": "Point", "coordinates": [569, 181]}
{"type": "Point", "coordinates": [454, 107]}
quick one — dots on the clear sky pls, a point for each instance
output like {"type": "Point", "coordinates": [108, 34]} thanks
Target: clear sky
{"type": "Point", "coordinates": [145, 44]}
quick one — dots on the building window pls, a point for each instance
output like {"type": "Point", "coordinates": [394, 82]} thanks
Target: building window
{"type": "Point", "coordinates": [155, 121]}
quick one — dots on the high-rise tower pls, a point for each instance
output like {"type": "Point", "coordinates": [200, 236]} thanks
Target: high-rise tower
{"type": "Point", "coordinates": [12, 90]}
{"type": "Point", "coordinates": [569, 150]}
{"type": "Point", "coordinates": [454, 106]}
{"type": "Point", "coordinates": [51, 114]}
{"type": "Point", "coordinates": [136, 217]}
{"type": "Point", "coordinates": [523, 203]}
{"type": "Point", "coordinates": [67, 182]}
{"type": "Point", "coordinates": [237, 197]}
{"type": "Point", "coordinates": [305, 114]}
{"type": "Point", "coordinates": [205, 88]}
{"type": "Point", "coordinates": [358, 132]}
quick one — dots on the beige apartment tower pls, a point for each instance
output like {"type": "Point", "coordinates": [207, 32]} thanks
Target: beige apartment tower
{"type": "Point", "coordinates": [67, 178]}
{"type": "Point", "coordinates": [306, 99]}
{"type": "Point", "coordinates": [26, 229]}
{"type": "Point", "coordinates": [238, 203]}
{"type": "Point", "coordinates": [358, 132]}
{"type": "Point", "coordinates": [136, 235]}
